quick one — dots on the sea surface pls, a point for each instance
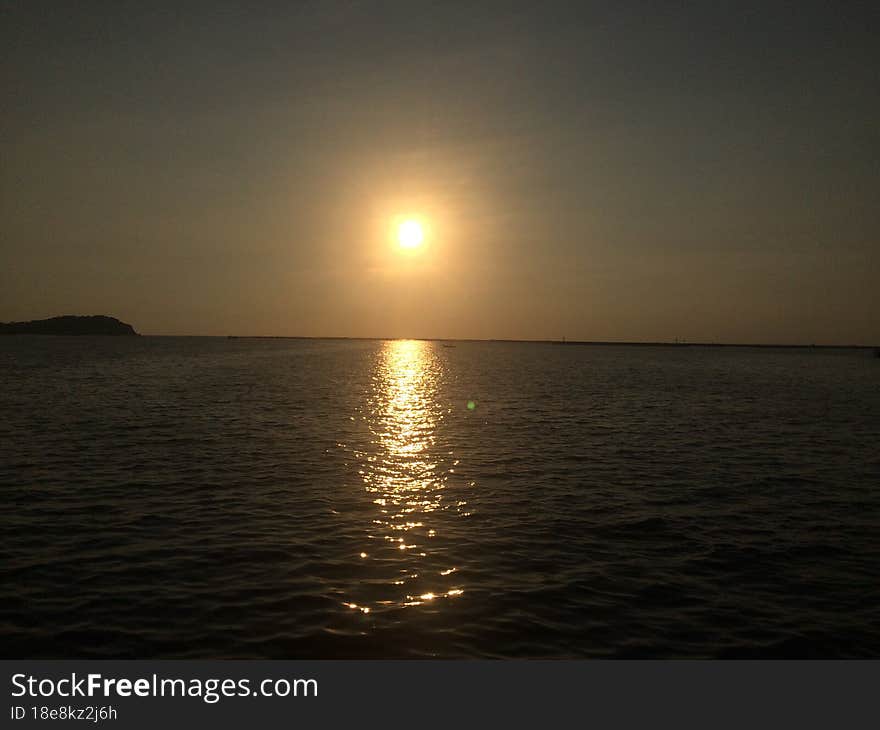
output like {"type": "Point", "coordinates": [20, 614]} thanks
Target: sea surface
{"type": "Point", "coordinates": [282, 498]}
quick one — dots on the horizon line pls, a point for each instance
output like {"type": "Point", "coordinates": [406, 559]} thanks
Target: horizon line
{"type": "Point", "coordinates": [600, 343]}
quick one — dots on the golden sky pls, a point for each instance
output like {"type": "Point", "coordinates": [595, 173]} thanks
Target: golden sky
{"type": "Point", "coordinates": [599, 173]}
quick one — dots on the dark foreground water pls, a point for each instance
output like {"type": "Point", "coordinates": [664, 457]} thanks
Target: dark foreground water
{"type": "Point", "coordinates": [168, 497]}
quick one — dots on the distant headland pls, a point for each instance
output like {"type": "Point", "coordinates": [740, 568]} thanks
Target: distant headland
{"type": "Point", "coordinates": [69, 325]}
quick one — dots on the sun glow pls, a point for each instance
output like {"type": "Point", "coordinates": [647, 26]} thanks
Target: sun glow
{"type": "Point", "coordinates": [410, 233]}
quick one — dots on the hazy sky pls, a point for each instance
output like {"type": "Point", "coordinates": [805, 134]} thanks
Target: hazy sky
{"type": "Point", "coordinates": [605, 171]}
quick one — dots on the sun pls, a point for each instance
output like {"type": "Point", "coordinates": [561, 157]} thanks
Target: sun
{"type": "Point", "coordinates": [410, 233]}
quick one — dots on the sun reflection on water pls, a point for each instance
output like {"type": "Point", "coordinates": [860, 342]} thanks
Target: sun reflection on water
{"type": "Point", "coordinates": [406, 473]}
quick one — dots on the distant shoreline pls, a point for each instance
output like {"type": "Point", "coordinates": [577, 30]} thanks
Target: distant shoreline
{"type": "Point", "coordinates": [103, 325]}
{"type": "Point", "coordinates": [566, 343]}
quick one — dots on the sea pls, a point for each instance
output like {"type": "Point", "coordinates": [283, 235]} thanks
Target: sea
{"type": "Point", "coordinates": [170, 497]}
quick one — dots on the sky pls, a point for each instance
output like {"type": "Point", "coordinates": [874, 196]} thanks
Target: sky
{"type": "Point", "coordinates": [700, 171]}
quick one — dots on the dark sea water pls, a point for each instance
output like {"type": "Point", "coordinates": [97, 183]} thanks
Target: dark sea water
{"type": "Point", "coordinates": [199, 497]}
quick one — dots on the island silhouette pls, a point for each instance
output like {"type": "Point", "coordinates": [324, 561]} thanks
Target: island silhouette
{"type": "Point", "coordinates": [69, 324]}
